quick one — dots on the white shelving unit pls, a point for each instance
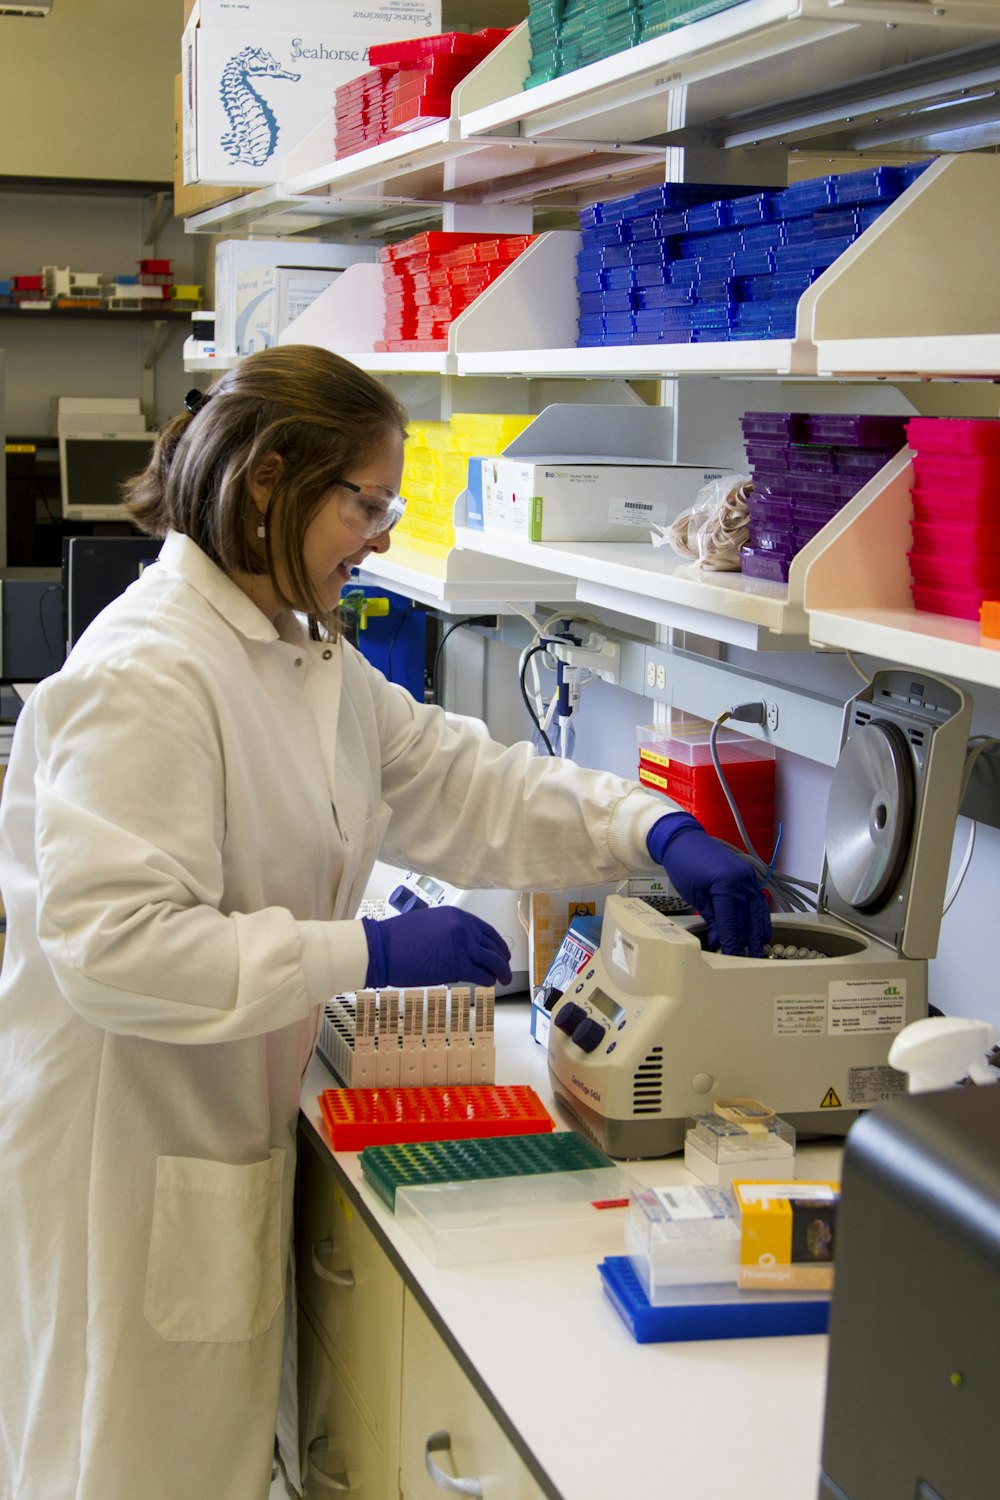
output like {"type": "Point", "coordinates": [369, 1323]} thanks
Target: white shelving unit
{"type": "Point", "coordinates": [885, 309]}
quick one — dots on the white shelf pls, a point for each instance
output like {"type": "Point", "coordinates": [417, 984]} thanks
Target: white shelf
{"type": "Point", "coordinates": [464, 581]}
{"type": "Point", "coordinates": [850, 60]}
{"type": "Point", "coordinates": [721, 72]}
{"type": "Point", "coordinates": [857, 595]}
{"type": "Point", "coordinates": [652, 583]}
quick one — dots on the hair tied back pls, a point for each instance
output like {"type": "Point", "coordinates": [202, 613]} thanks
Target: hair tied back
{"type": "Point", "coordinates": [194, 401]}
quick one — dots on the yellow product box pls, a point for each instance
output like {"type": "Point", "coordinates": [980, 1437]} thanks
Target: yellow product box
{"type": "Point", "coordinates": [787, 1234]}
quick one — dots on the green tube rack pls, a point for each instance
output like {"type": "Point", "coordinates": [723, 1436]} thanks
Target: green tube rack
{"type": "Point", "coordinates": [419, 1163]}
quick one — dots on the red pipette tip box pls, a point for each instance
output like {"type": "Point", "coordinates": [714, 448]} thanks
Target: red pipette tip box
{"type": "Point", "coordinates": [356, 1118]}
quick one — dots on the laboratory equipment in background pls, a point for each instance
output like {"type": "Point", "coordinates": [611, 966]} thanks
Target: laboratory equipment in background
{"type": "Point", "coordinates": [914, 1361]}
{"type": "Point", "coordinates": [95, 570]}
{"type": "Point", "coordinates": [658, 1027]}
{"type": "Point", "coordinates": [391, 891]}
{"type": "Point", "coordinates": [390, 632]}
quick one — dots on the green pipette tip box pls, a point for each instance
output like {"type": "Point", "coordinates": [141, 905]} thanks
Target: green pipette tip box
{"type": "Point", "coordinates": [422, 1162]}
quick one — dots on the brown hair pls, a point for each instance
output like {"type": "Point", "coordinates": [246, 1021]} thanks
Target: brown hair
{"type": "Point", "coordinates": [320, 413]}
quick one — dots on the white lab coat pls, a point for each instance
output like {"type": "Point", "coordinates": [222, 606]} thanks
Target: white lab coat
{"type": "Point", "coordinates": [191, 812]}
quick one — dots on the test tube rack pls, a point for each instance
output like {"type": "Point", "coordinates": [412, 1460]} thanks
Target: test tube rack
{"type": "Point", "coordinates": [410, 1038]}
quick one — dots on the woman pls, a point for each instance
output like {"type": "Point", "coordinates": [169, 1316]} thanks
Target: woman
{"type": "Point", "coordinates": [192, 810]}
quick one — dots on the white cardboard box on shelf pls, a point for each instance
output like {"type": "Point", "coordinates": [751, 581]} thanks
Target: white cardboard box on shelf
{"type": "Point", "coordinates": [235, 256]}
{"type": "Point", "coordinates": [268, 298]}
{"type": "Point", "coordinates": [259, 77]}
{"type": "Point", "coordinates": [553, 483]}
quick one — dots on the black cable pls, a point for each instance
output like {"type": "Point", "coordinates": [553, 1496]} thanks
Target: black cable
{"type": "Point", "coordinates": [404, 615]}
{"type": "Point", "coordinates": [52, 650]}
{"type": "Point", "coordinates": [468, 620]}
{"type": "Point", "coordinates": [527, 701]}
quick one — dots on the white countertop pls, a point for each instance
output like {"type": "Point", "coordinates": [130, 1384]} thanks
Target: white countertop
{"type": "Point", "coordinates": [603, 1417]}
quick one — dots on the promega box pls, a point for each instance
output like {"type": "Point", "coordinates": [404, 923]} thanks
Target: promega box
{"type": "Point", "coordinates": [553, 483]}
{"type": "Point", "coordinates": [259, 80]}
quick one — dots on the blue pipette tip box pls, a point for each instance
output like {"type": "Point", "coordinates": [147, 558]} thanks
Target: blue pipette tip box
{"type": "Point", "coordinates": [719, 1311]}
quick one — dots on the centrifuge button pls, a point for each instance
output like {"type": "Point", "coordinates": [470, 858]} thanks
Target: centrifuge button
{"type": "Point", "coordinates": [589, 1034]}
{"type": "Point", "coordinates": [569, 1016]}
{"type": "Point", "coordinates": [702, 1082]}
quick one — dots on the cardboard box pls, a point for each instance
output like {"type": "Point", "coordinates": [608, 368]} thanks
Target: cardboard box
{"type": "Point", "coordinates": [259, 78]}
{"type": "Point", "coordinates": [787, 1234]}
{"type": "Point", "coordinates": [191, 200]}
{"type": "Point", "coordinates": [552, 484]}
{"type": "Point", "coordinates": [268, 298]}
{"type": "Point", "coordinates": [235, 256]}
{"type": "Point", "coordinates": [563, 501]}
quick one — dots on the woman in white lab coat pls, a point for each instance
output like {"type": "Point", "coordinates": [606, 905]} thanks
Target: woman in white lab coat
{"type": "Point", "coordinates": [192, 809]}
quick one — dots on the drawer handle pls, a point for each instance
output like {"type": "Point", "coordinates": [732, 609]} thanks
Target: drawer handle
{"type": "Point", "coordinates": [320, 1251]}
{"type": "Point", "coordinates": [339, 1482]}
{"type": "Point", "coordinates": [440, 1442]}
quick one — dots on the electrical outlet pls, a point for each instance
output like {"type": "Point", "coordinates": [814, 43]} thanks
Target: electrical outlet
{"type": "Point", "coordinates": [661, 676]}
{"type": "Point", "coordinates": [772, 716]}
{"type": "Point", "coordinates": [651, 674]}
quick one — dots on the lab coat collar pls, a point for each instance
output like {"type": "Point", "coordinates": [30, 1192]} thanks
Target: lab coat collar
{"type": "Point", "coordinates": [180, 555]}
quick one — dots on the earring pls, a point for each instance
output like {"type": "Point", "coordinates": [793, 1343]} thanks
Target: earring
{"type": "Point", "coordinates": [262, 529]}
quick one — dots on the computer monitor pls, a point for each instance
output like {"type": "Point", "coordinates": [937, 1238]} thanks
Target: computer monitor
{"type": "Point", "coordinates": [92, 467]}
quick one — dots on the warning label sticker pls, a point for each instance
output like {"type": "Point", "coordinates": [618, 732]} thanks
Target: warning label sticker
{"type": "Point", "coordinates": [799, 1015]}
{"type": "Point", "coordinates": [866, 1005]}
{"type": "Point", "coordinates": [830, 1100]}
{"type": "Point", "coordinates": [874, 1085]}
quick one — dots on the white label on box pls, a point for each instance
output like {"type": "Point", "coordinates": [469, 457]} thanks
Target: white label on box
{"type": "Point", "coordinates": [639, 513]}
{"type": "Point", "coordinates": [799, 1015]}
{"type": "Point", "coordinates": [858, 1005]}
{"type": "Point", "coordinates": [690, 1203]}
{"type": "Point", "coordinates": [764, 1192]}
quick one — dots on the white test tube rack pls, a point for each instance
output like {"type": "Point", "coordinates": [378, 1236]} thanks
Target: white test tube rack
{"type": "Point", "coordinates": [410, 1038]}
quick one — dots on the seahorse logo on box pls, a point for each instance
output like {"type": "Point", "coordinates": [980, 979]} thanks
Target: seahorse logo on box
{"type": "Point", "coordinates": [252, 136]}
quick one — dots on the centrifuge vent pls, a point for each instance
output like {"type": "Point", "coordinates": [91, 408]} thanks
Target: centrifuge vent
{"type": "Point", "coordinates": [647, 1084]}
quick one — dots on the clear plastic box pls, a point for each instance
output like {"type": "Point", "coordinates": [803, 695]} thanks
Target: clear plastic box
{"type": "Point", "coordinates": [685, 737]}
{"type": "Point", "coordinates": [718, 1150]}
{"type": "Point", "coordinates": [508, 1218]}
{"type": "Point", "coordinates": [682, 1236]}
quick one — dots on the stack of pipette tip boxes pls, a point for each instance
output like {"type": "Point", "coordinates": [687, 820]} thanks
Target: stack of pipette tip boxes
{"type": "Point", "coordinates": [805, 468]}
{"type": "Point", "coordinates": [410, 1038]}
{"type": "Point", "coordinates": [955, 558]}
{"type": "Point", "coordinates": [695, 263]}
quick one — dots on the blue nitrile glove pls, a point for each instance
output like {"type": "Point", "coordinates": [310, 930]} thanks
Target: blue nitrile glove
{"type": "Point", "coordinates": [715, 880]}
{"type": "Point", "coordinates": [436, 945]}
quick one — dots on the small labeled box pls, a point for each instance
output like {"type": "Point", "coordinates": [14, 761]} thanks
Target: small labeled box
{"type": "Point", "coordinates": [682, 1236]}
{"type": "Point", "coordinates": [739, 1142]}
{"type": "Point", "coordinates": [787, 1234]}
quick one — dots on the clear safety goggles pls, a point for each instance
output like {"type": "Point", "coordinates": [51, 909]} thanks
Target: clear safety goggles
{"type": "Point", "coordinates": [368, 510]}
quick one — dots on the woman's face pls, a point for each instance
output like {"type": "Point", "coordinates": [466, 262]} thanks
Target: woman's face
{"type": "Point", "coordinates": [330, 548]}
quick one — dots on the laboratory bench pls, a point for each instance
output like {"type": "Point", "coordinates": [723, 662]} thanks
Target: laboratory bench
{"type": "Point", "coordinates": [519, 1375]}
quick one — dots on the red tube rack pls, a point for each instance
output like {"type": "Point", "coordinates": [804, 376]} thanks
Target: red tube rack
{"type": "Point", "coordinates": [356, 1118]}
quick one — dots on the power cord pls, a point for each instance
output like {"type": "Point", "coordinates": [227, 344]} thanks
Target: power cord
{"type": "Point", "coordinates": [787, 891]}
{"type": "Point", "coordinates": [468, 620]}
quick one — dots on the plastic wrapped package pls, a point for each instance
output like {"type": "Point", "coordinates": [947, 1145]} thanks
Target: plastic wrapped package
{"type": "Point", "coordinates": [713, 530]}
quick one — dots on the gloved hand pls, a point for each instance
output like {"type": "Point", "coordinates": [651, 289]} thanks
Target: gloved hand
{"type": "Point", "coordinates": [715, 880]}
{"type": "Point", "coordinates": [436, 945]}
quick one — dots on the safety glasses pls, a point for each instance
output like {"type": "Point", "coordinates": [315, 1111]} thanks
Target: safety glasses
{"type": "Point", "coordinates": [370, 509]}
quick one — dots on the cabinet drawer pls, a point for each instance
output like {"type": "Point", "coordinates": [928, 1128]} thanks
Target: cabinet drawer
{"type": "Point", "coordinates": [338, 1450]}
{"type": "Point", "coordinates": [446, 1420]}
{"type": "Point", "coordinates": [353, 1293]}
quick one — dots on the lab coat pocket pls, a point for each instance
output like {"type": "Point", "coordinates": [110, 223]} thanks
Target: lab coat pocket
{"type": "Point", "coordinates": [360, 856]}
{"type": "Point", "coordinates": [215, 1257]}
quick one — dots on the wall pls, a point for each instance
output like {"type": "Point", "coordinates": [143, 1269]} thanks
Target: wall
{"type": "Point", "coordinates": [87, 91]}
